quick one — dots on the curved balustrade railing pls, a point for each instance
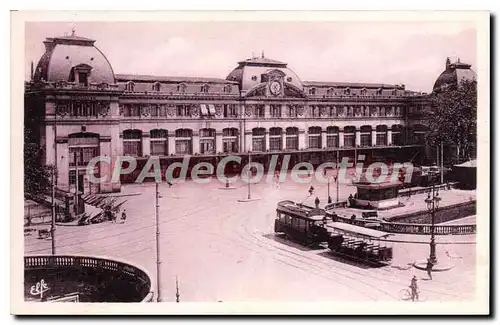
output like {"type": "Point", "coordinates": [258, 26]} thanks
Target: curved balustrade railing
{"type": "Point", "coordinates": [411, 228]}
{"type": "Point", "coordinates": [63, 261]}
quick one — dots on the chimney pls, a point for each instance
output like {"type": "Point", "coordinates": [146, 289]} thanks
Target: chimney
{"type": "Point", "coordinates": [448, 63]}
{"type": "Point", "coordinates": [31, 73]}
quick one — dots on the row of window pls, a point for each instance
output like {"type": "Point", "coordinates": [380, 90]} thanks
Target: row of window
{"type": "Point", "coordinates": [323, 110]}
{"type": "Point", "coordinates": [205, 88]}
{"type": "Point", "coordinates": [349, 92]}
{"type": "Point", "coordinates": [184, 110]}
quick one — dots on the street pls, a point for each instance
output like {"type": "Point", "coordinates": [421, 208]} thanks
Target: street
{"type": "Point", "coordinates": [224, 250]}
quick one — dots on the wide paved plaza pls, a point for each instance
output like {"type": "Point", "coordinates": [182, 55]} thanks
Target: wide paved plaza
{"type": "Point", "coordinates": [224, 250]}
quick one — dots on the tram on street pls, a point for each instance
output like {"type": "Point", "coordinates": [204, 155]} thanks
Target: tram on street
{"type": "Point", "coordinates": [301, 223]}
{"type": "Point", "coordinates": [359, 243]}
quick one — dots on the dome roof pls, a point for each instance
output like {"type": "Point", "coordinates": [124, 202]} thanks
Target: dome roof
{"type": "Point", "coordinates": [249, 72]}
{"type": "Point", "coordinates": [453, 75]}
{"type": "Point", "coordinates": [63, 54]}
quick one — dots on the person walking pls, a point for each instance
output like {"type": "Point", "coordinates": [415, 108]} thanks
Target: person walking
{"type": "Point", "coordinates": [414, 288]}
{"type": "Point", "coordinates": [429, 268]}
{"type": "Point", "coordinates": [124, 215]}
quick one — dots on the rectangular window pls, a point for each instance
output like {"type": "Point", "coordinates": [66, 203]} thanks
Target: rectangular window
{"type": "Point", "coordinates": [349, 139]}
{"type": "Point", "coordinates": [132, 147]}
{"type": "Point", "coordinates": [275, 142]}
{"type": "Point", "coordinates": [82, 79]}
{"type": "Point", "coordinates": [259, 110]}
{"type": "Point", "coordinates": [183, 147]}
{"type": "Point", "coordinates": [315, 141]}
{"type": "Point", "coordinates": [276, 110]}
{"type": "Point", "coordinates": [366, 139]}
{"type": "Point", "coordinates": [397, 138]}
{"type": "Point", "coordinates": [230, 145]}
{"type": "Point", "coordinates": [258, 144]}
{"type": "Point", "coordinates": [207, 146]}
{"type": "Point", "coordinates": [292, 111]}
{"type": "Point", "coordinates": [158, 147]}
{"type": "Point", "coordinates": [381, 139]}
{"type": "Point", "coordinates": [292, 142]}
{"type": "Point", "coordinates": [332, 141]}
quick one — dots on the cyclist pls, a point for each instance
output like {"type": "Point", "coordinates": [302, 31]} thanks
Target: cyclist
{"type": "Point", "coordinates": [414, 288]}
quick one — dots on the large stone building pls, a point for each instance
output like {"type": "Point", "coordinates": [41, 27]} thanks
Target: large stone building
{"type": "Point", "coordinates": [78, 107]}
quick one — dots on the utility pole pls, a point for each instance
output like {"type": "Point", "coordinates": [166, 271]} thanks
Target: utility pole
{"type": "Point", "coordinates": [158, 261]}
{"type": "Point", "coordinates": [53, 226]}
{"type": "Point", "coordinates": [337, 176]}
{"type": "Point", "coordinates": [442, 165]}
{"type": "Point", "coordinates": [76, 183]}
{"type": "Point", "coordinates": [249, 174]}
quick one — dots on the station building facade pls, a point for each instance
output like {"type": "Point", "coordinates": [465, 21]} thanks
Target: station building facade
{"type": "Point", "coordinates": [78, 108]}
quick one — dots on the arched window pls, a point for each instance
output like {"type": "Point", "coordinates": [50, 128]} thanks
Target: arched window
{"type": "Point", "coordinates": [230, 139]}
{"type": "Point", "coordinates": [312, 91]}
{"type": "Point", "coordinates": [366, 136]}
{"type": "Point", "coordinates": [292, 138]}
{"type": "Point", "coordinates": [130, 86]}
{"type": "Point", "coordinates": [314, 135]}
{"type": "Point", "coordinates": [207, 141]}
{"type": "Point", "coordinates": [394, 92]}
{"type": "Point", "coordinates": [397, 137]}
{"type": "Point", "coordinates": [258, 139]}
{"type": "Point", "coordinates": [228, 89]}
{"type": "Point", "coordinates": [132, 143]}
{"type": "Point", "coordinates": [275, 138]}
{"type": "Point", "coordinates": [181, 88]}
{"type": "Point", "coordinates": [156, 86]}
{"type": "Point", "coordinates": [363, 92]}
{"type": "Point", "coordinates": [183, 141]}
{"type": "Point", "coordinates": [332, 137]}
{"type": "Point", "coordinates": [159, 142]}
{"type": "Point", "coordinates": [349, 136]}
{"type": "Point", "coordinates": [381, 135]}
{"type": "Point", "coordinates": [329, 92]}
{"type": "Point", "coordinates": [347, 91]}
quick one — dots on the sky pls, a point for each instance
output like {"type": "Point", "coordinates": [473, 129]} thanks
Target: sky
{"type": "Point", "coordinates": [409, 53]}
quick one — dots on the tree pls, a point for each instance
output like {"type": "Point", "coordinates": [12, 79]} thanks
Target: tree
{"type": "Point", "coordinates": [37, 176]}
{"type": "Point", "coordinates": [452, 119]}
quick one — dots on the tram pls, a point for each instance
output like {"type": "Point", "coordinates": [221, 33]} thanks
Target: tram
{"type": "Point", "coordinates": [359, 243]}
{"type": "Point", "coordinates": [301, 223]}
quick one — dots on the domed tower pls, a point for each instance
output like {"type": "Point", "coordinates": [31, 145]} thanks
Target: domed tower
{"type": "Point", "coordinates": [266, 76]}
{"type": "Point", "coordinates": [73, 59]}
{"type": "Point", "coordinates": [453, 74]}
{"type": "Point", "coordinates": [71, 108]}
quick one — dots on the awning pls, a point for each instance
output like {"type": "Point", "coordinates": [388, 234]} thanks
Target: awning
{"type": "Point", "coordinates": [204, 110]}
{"type": "Point", "coordinates": [211, 109]}
{"type": "Point", "coordinates": [357, 231]}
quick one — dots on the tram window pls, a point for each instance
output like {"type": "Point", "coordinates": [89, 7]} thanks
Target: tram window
{"type": "Point", "coordinates": [301, 223]}
{"type": "Point", "coordinates": [287, 219]}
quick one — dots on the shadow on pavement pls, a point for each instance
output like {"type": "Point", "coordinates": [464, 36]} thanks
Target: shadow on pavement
{"type": "Point", "coordinates": [282, 240]}
{"type": "Point", "coordinates": [346, 260]}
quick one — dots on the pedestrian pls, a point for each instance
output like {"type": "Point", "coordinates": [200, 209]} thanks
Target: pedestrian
{"type": "Point", "coordinates": [429, 268]}
{"type": "Point", "coordinates": [124, 215]}
{"type": "Point", "coordinates": [311, 190]}
{"type": "Point", "coordinates": [414, 288]}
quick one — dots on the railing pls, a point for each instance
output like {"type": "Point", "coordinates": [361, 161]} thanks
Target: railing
{"type": "Point", "coordinates": [51, 262]}
{"type": "Point", "coordinates": [420, 190]}
{"type": "Point", "coordinates": [411, 228]}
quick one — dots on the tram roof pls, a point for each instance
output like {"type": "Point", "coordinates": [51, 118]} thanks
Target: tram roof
{"type": "Point", "coordinates": [357, 230]}
{"type": "Point", "coordinates": [300, 210]}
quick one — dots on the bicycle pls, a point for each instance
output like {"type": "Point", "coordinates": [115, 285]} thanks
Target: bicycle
{"type": "Point", "coordinates": [405, 295]}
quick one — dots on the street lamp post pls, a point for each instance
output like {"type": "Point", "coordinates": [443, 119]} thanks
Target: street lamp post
{"type": "Point", "coordinates": [329, 197]}
{"type": "Point", "coordinates": [158, 260]}
{"type": "Point", "coordinates": [432, 206]}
